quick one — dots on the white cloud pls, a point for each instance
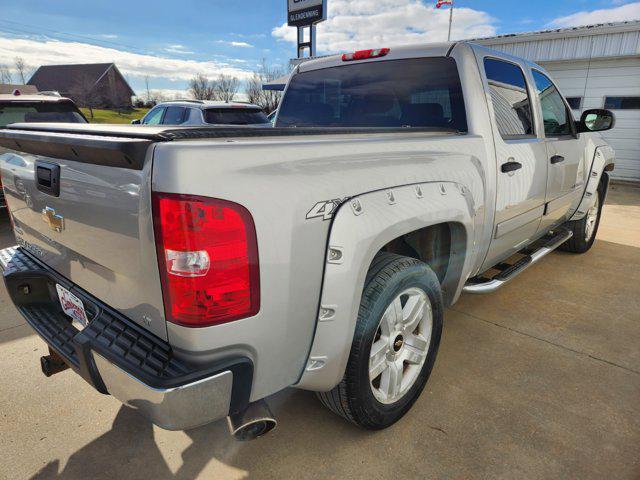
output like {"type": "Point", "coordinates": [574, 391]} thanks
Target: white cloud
{"type": "Point", "coordinates": [630, 11]}
{"type": "Point", "coordinates": [236, 44]}
{"type": "Point", "coordinates": [178, 49]}
{"type": "Point", "coordinates": [371, 23]}
{"type": "Point", "coordinates": [108, 35]}
{"type": "Point", "coordinates": [52, 52]}
{"type": "Point", "coordinates": [164, 93]}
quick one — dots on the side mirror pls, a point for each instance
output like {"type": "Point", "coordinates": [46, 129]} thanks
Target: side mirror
{"type": "Point", "coordinates": [135, 121]}
{"type": "Point", "coordinates": [596, 120]}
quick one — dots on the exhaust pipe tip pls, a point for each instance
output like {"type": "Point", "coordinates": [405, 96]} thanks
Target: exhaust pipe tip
{"type": "Point", "coordinates": [253, 422]}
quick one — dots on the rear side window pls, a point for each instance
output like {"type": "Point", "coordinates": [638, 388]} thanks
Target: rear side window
{"type": "Point", "coordinates": [174, 116]}
{"type": "Point", "coordinates": [235, 116]}
{"type": "Point", "coordinates": [511, 102]}
{"type": "Point", "coordinates": [421, 92]}
{"type": "Point", "coordinates": [29, 112]}
{"type": "Point", "coordinates": [554, 111]}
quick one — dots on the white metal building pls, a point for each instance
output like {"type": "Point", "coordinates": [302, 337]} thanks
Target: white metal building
{"type": "Point", "coordinates": [596, 66]}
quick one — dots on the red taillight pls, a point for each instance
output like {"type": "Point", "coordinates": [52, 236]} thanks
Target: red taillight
{"type": "Point", "coordinates": [208, 259]}
{"type": "Point", "coordinates": [16, 93]}
{"type": "Point", "coordinates": [364, 54]}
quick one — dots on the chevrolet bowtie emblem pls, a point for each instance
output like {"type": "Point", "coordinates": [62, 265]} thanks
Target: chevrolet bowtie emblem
{"type": "Point", "coordinates": [56, 222]}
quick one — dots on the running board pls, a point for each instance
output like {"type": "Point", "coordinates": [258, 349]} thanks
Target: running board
{"type": "Point", "coordinates": [511, 271]}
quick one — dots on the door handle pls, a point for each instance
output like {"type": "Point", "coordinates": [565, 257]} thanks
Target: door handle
{"type": "Point", "coordinates": [510, 167]}
{"type": "Point", "coordinates": [557, 159]}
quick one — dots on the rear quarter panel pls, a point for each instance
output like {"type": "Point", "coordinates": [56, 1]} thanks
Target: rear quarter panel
{"type": "Point", "coordinates": [280, 181]}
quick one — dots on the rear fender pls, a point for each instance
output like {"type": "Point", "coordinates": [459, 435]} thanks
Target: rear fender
{"type": "Point", "coordinates": [360, 228]}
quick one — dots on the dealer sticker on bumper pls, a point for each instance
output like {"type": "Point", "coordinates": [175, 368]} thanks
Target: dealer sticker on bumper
{"type": "Point", "coordinates": [73, 307]}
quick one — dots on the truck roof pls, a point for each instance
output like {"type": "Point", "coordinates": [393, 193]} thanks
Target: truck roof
{"type": "Point", "coordinates": [441, 49]}
{"type": "Point", "coordinates": [406, 51]}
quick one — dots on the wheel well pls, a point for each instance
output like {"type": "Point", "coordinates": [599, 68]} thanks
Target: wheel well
{"type": "Point", "coordinates": [431, 245]}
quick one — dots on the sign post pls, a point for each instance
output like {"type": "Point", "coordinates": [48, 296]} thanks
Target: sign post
{"type": "Point", "coordinates": [304, 14]}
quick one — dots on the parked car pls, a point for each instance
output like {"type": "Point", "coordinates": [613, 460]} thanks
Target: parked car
{"type": "Point", "coordinates": [203, 270]}
{"type": "Point", "coordinates": [205, 112]}
{"type": "Point", "coordinates": [40, 107]}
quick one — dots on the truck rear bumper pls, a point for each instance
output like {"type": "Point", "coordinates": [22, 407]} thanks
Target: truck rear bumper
{"type": "Point", "coordinates": [118, 357]}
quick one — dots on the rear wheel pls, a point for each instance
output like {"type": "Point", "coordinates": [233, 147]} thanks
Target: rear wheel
{"type": "Point", "coordinates": [585, 229]}
{"type": "Point", "coordinates": [395, 343]}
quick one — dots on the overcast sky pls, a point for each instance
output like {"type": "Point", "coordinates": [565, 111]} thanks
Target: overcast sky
{"type": "Point", "coordinates": [171, 41]}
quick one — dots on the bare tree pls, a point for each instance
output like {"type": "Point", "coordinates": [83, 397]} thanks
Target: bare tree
{"type": "Point", "coordinates": [22, 68]}
{"type": "Point", "coordinates": [226, 87]}
{"type": "Point", "coordinates": [267, 99]}
{"type": "Point", "coordinates": [5, 74]}
{"type": "Point", "coordinates": [201, 88]}
{"type": "Point", "coordinates": [253, 89]}
{"type": "Point", "coordinates": [84, 94]}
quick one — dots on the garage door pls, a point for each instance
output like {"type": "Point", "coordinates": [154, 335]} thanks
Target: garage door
{"type": "Point", "coordinates": [592, 82]}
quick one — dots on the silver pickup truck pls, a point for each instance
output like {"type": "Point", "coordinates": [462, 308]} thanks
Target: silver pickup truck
{"type": "Point", "coordinates": [191, 272]}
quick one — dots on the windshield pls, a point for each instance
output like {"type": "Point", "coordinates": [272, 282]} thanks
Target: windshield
{"type": "Point", "coordinates": [31, 112]}
{"type": "Point", "coordinates": [235, 116]}
{"type": "Point", "coordinates": [421, 92]}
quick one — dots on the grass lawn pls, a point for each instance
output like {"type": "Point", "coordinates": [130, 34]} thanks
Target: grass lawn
{"type": "Point", "coordinates": [111, 116]}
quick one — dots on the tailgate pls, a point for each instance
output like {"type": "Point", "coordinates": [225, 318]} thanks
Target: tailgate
{"type": "Point", "coordinates": [81, 205]}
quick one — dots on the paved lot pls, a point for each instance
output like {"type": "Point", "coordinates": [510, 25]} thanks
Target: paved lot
{"type": "Point", "coordinates": [539, 380]}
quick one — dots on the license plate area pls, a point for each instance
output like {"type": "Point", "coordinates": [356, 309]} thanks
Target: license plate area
{"type": "Point", "coordinates": [73, 307]}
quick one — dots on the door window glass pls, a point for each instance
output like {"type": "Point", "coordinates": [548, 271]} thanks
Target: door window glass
{"type": "Point", "coordinates": [510, 98]}
{"type": "Point", "coordinates": [554, 111]}
{"type": "Point", "coordinates": [174, 116]}
{"type": "Point", "coordinates": [153, 117]}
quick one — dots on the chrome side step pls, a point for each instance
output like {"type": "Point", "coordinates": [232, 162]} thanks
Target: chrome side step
{"type": "Point", "coordinates": [511, 271]}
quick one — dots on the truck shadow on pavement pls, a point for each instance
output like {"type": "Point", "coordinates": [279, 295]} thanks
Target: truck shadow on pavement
{"type": "Point", "coordinates": [131, 448]}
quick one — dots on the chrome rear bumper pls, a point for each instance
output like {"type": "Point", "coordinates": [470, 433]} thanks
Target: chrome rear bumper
{"type": "Point", "coordinates": [118, 357]}
{"type": "Point", "coordinates": [176, 408]}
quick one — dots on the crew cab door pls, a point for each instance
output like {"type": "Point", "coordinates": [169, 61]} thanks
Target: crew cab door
{"type": "Point", "coordinates": [521, 157]}
{"type": "Point", "coordinates": [565, 151]}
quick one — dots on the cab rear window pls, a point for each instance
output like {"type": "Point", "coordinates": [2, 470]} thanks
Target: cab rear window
{"type": "Point", "coordinates": [420, 92]}
{"type": "Point", "coordinates": [235, 116]}
{"type": "Point", "coordinates": [30, 112]}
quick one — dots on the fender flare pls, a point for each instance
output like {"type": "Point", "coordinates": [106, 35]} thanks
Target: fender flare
{"type": "Point", "coordinates": [603, 157]}
{"type": "Point", "coordinates": [360, 228]}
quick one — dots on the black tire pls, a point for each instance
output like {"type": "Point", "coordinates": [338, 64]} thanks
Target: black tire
{"type": "Point", "coordinates": [578, 243]}
{"type": "Point", "coordinates": [353, 398]}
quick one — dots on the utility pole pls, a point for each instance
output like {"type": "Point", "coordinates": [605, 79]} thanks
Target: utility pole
{"type": "Point", "coordinates": [450, 21]}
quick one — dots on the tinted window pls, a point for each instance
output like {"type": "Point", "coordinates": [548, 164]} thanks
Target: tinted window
{"type": "Point", "coordinates": [510, 98]}
{"type": "Point", "coordinates": [193, 115]}
{"type": "Point", "coordinates": [15, 112]}
{"type": "Point", "coordinates": [422, 92]}
{"type": "Point", "coordinates": [154, 116]}
{"type": "Point", "coordinates": [235, 116]}
{"type": "Point", "coordinates": [622, 103]}
{"type": "Point", "coordinates": [575, 102]}
{"type": "Point", "coordinates": [174, 116]}
{"type": "Point", "coordinates": [554, 112]}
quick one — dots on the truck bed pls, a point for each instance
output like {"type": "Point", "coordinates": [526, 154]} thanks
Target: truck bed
{"type": "Point", "coordinates": [291, 180]}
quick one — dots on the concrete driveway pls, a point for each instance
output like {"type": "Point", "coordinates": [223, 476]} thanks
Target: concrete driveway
{"type": "Point", "coordinates": [538, 380]}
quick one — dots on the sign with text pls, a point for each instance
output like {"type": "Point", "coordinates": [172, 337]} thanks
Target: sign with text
{"type": "Point", "coordinates": [302, 13]}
